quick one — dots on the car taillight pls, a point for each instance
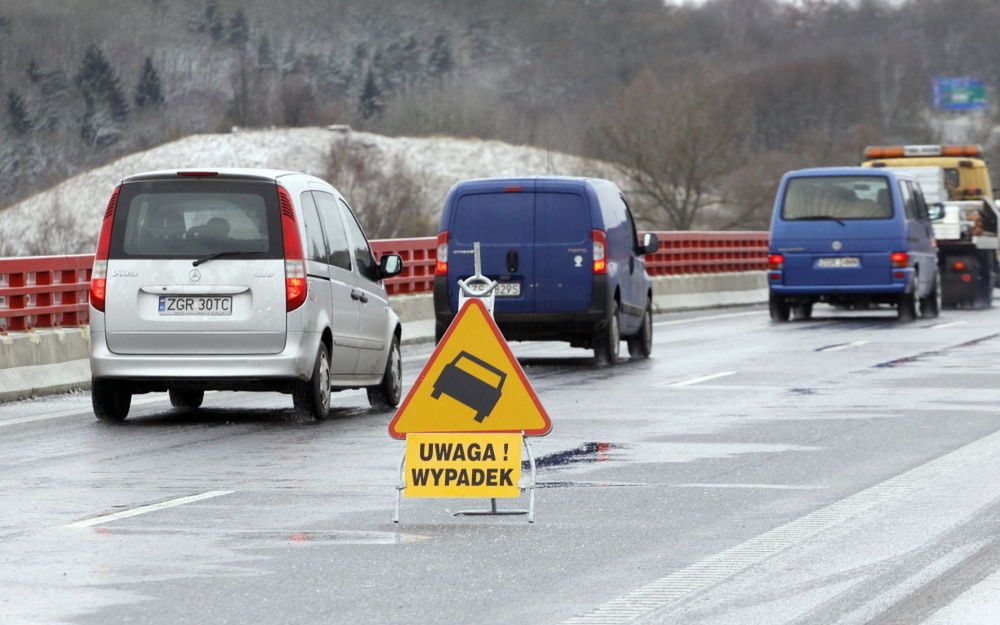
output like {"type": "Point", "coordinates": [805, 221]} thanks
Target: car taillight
{"type": "Point", "coordinates": [441, 268]}
{"type": "Point", "coordinates": [959, 265]}
{"type": "Point", "coordinates": [600, 251]}
{"type": "Point", "coordinates": [900, 259]}
{"type": "Point", "coordinates": [99, 272]}
{"type": "Point", "coordinates": [296, 285]}
{"type": "Point", "coordinates": [776, 261]}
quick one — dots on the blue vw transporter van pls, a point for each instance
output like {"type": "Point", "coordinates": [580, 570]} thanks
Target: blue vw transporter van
{"type": "Point", "coordinates": [851, 236]}
{"type": "Point", "coordinates": [566, 254]}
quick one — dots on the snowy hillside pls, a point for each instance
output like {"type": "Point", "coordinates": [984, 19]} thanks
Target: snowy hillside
{"type": "Point", "coordinates": [65, 219]}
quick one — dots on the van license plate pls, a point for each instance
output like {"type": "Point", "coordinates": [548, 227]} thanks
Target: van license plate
{"type": "Point", "coordinates": [508, 289]}
{"type": "Point", "coordinates": [842, 262]}
{"type": "Point", "coordinates": [195, 305]}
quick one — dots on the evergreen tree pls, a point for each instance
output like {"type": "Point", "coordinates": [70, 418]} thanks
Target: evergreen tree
{"type": "Point", "coordinates": [33, 71]}
{"type": "Point", "coordinates": [440, 60]}
{"type": "Point", "coordinates": [212, 21]}
{"type": "Point", "coordinates": [370, 104]}
{"type": "Point", "coordinates": [148, 92]}
{"type": "Point", "coordinates": [96, 78]}
{"type": "Point", "coordinates": [265, 55]}
{"type": "Point", "coordinates": [238, 32]}
{"type": "Point", "coordinates": [18, 119]}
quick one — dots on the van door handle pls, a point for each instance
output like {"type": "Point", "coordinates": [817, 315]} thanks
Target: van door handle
{"type": "Point", "coordinates": [358, 294]}
{"type": "Point", "coordinates": [512, 261]}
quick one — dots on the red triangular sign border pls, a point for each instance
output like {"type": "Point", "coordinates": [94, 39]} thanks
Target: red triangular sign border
{"type": "Point", "coordinates": [542, 431]}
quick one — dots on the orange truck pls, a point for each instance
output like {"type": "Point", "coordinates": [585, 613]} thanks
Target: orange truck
{"type": "Point", "coordinates": [956, 185]}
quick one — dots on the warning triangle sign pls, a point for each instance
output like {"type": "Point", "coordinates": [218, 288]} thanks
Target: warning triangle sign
{"type": "Point", "coordinates": [471, 383]}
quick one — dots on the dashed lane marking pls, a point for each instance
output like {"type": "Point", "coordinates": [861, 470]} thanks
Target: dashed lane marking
{"type": "Point", "coordinates": [704, 378]}
{"type": "Point", "coordinates": [677, 586]}
{"type": "Point", "coordinates": [842, 347]}
{"type": "Point", "coordinates": [163, 505]}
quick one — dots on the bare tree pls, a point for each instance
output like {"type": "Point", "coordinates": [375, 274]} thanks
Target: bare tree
{"type": "Point", "coordinates": [674, 145]}
{"type": "Point", "coordinates": [386, 196]}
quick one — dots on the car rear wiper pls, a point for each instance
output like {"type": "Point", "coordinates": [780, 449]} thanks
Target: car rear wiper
{"type": "Point", "coordinates": [205, 259]}
{"type": "Point", "coordinates": [822, 218]}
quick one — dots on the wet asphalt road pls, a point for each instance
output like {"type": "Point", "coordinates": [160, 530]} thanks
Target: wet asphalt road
{"type": "Point", "coordinates": [841, 470]}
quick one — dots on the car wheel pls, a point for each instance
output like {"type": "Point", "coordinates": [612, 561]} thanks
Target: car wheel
{"type": "Point", "coordinates": [439, 331]}
{"type": "Point", "coordinates": [930, 306]}
{"type": "Point", "coordinates": [312, 398]}
{"type": "Point", "coordinates": [607, 340]}
{"type": "Point", "coordinates": [641, 345]}
{"type": "Point", "coordinates": [188, 400]}
{"type": "Point", "coordinates": [780, 310]}
{"type": "Point", "coordinates": [906, 309]}
{"type": "Point", "coordinates": [802, 312]}
{"type": "Point", "coordinates": [388, 392]}
{"type": "Point", "coordinates": [111, 400]}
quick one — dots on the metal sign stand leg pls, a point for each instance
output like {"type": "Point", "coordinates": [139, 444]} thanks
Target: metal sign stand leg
{"type": "Point", "coordinates": [400, 485]}
{"type": "Point", "coordinates": [493, 511]}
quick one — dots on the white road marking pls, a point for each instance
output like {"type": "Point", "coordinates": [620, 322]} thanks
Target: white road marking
{"type": "Point", "coordinates": [840, 348]}
{"type": "Point", "coordinates": [751, 486]}
{"type": "Point", "coordinates": [945, 325]}
{"type": "Point", "coordinates": [75, 412]}
{"type": "Point", "coordinates": [704, 378]}
{"type": "Point", "coordinates": [697, 577]}
{"type": "Point", "coordinates": [170, 503]}
{"type": "Point", "coordinates": [709, 318]}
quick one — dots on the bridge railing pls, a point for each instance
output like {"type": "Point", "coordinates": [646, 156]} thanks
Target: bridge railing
{"type": "Point", "coordinates": [52, 291]}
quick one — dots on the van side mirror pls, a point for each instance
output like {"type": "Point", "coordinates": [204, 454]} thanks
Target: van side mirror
{"type": "Point", "coordinates": [390, 265]}
{"type": "Point", "coordinates": [650, 243]}
{"type": "Point", "coordinates": [935, 211]}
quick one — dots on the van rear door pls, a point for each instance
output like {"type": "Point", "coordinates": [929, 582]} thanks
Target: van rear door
{"type": "Point", "coordinates": [563, 252]}
{"type": "Point", "coordinates": [232, 302]}
{"type": "Point", "coordinates": [503, 223]}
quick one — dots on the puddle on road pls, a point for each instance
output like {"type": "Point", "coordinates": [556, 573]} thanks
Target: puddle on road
{"type": "Point", "coordinates": [586, 453]}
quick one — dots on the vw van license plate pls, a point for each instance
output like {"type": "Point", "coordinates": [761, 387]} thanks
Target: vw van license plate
{"type": "Point", "coordinates": [195, 305]}
{"type": "Point", "coordinates": [842, 262]}
{"type": "Point", "coordinates": [508, 289]}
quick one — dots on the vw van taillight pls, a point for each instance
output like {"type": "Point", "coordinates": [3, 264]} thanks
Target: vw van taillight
{"type": "Point", "coordinates": [600, 251]}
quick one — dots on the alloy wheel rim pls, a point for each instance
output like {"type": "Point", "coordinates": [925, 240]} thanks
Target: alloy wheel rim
{"type": "Point", "coordinates": [324, 378]}
{"type": "Point", "coordinates": [614, 337]}
{"type": "Point", "coordinates": [397, 373]}
{"type": "Point", "coordinates": [648, 323]}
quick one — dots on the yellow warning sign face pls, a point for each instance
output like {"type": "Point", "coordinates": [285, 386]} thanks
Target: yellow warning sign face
{"type": "Point", "coordinates": [463, 465]}
{"type": "Point", "coordinates": [471, 383]}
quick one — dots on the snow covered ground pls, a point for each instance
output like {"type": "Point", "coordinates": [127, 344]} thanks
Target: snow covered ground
{"type": "Point", "coordinates": [65, 219]}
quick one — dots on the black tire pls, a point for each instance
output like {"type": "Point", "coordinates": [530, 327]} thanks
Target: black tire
{"type": "Point", "coordinates": [111, 400]}
{"type": "Point", "coordinates": [802, 312]}
{"type": "Point", "coordinates": [312, 398]}
{"type": "Point", "coordinates": [640, 345]}
{"type": "Point", "coordinates": [389, 391]}
{"type": "Point", "coordinates": [439, 331]}
{"type": "Point", "coordinates": [930, 306]}
{"type": "Point", "coordinates": [985, 298]}
{"type": "Point", "coordinates": [906, 309]}
{"type": "Point", "coordinates": [607, 340]}
{"type": "Point", "coordinates": [186, 399]}
{"type": "Point", "coordinates": [780, 310]}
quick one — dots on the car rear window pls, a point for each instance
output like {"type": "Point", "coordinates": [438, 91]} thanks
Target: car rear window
{"type": "Point", "coordinates": [494, 218]}
{"type": "Point", "coordinates": [194, 218]}
{"type": "Point", "coordinates": [838, 197]}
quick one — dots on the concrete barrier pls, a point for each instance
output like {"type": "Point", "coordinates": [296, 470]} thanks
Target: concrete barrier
{"type": "Point", "coordinates": [52, 361]}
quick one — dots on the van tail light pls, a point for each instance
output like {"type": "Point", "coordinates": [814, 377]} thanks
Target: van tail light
{"type": "Point", "coordinates": [600, 251]}
{"type": "Point", "coordinates": [296, 285]}
{"type": "Point", "coordinates": [776, 261]}
{"type": "Point", "coordinates": [99, 272]}
{"type": "Point", "coordinates": [900, 259]}
{"type": "Point", "coordinates": [441, 268]}
{"type": "Point", "coordinates": [959, 265]}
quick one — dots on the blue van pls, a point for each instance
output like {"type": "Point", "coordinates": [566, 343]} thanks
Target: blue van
{"type": "Point", "coordinates": [851, 236]}
{"type": "Point", "coordinates": [566, 254]}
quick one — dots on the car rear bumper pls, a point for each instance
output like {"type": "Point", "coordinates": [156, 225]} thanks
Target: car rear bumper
{"type": "Point", "coordinates": [295, 362]}
{"type": "Point", "coordinates": [778, 289]}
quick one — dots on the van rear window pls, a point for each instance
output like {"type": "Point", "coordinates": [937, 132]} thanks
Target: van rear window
{"type": "Point", "coordinates": [195, 218]}
{"type": "Point", "coordinates": [837, 197]}
{"type": "Point", "coordinates": [494, 218]}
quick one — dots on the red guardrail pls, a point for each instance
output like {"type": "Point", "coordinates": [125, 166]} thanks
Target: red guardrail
{"type": "Point", "coordinates": [52, 291]}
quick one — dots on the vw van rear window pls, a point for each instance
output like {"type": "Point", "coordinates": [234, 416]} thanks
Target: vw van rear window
{"type": "Point", "coordinates": [195, 218]}
{"type": "Point", "coordinates": [837, 197]}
